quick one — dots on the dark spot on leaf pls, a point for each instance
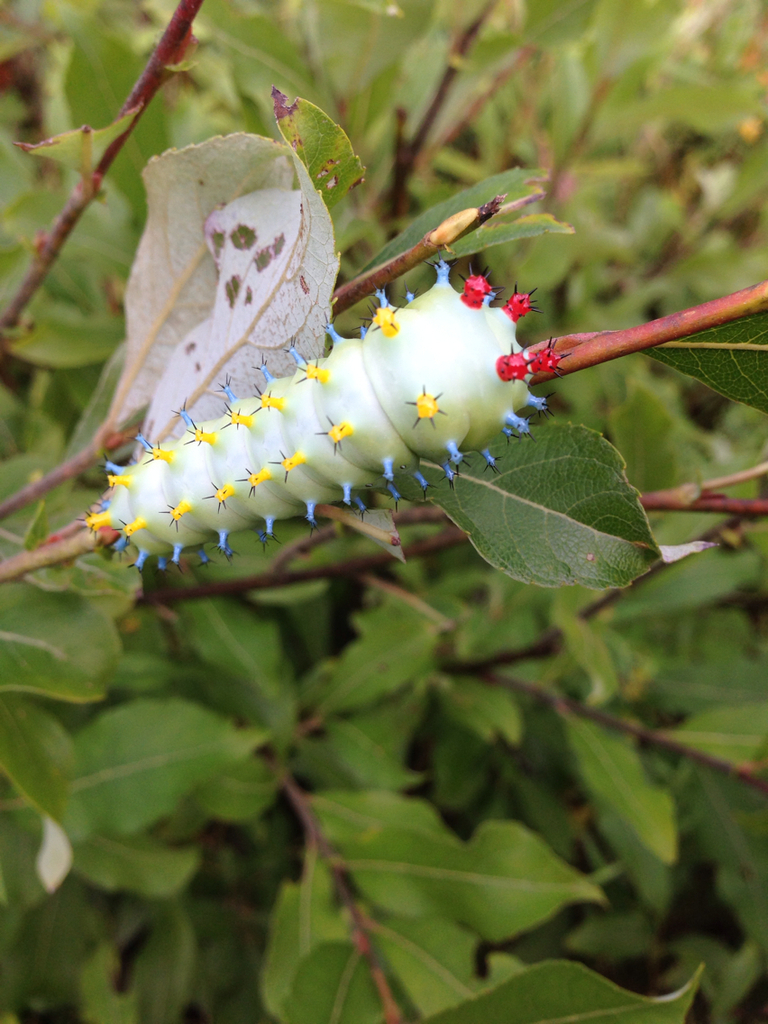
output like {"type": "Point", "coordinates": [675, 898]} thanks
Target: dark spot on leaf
{"type": "Point", "coordinates": [281, 105]}
{"type": "Point", "coordinates": [264, 256]}
{"type": "Point", "coordinates": [200, 182]}
{"type": "Point", "coordinates": [232, 287]}
{"type": "Point", "coordinates": [591, 557]}
{"type": "Point", "coordinates": [243, 237]}
{"type": "Point", "coordinates": [332, 182]}
{"type": "Point", "coordinates": [359, 181]}
{"type": "Point", "coordinates": [218, 242]}
{"type": "Point", "coordinates": [325, 170]}
{"type": "Point", "coordinates": [190, 347]}
{"type": "Point", "coordinates": [248, 296]}
{"type": "Point", "coordinates": [295, 143]}
{"type": "Point", "coordinates": [304, 285]}
{"type": "Point", "coordinates": [198, 367]}
{"type": "Point", "coordinates": [277, 245]}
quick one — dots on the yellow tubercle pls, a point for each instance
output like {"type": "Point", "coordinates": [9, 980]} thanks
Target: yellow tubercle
{"type": "Point", "coordinates": [339, 431]}
{"type": "Point", "coordinates": [268, 402]}
{"type": "Point", "coordinates": [158, 453]}
{"type": "Point", "coordinates": [118, 480]}
{"type": "Point", "coordinates": [241, 420]}
{"type": "Point", "coordinates": [181, 510]}
{"type": "Point", "coordinates": [138, 524]}
{"type": "Point", "coordinates": [426, 406]}
{"type": "Point", "coordinates": [258, 478]}
{"type": "Point", "coordinates": [95, 520]}
{"type": "Point", "coordinates": [385, 319]}
{"type": "Point", "coordinates": [224, 492]}
{"type": "Point", "coordinates": [315, 372]}
{"type": "Point", "coordinates": [200, 436]}
{"type": "Point", "coordinates": [297, 459]}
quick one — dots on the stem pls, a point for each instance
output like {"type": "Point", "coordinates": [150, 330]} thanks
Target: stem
{"type": "Point", "coordinates": [663, 501]}
{"type": "Point", "coordinates": [169, 50]}
{"type": "Point", "coordinates": [566, 705]}
{"type": "Point", "coordinates": [585, 350]}
{"type": "Point", "coordinates": [301, 803]}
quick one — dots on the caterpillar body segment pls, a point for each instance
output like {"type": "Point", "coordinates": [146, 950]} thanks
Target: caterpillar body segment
{"type": "Point", "coordinates": [434, 380]}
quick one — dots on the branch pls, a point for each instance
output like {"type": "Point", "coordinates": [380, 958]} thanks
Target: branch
{"type": "Point", "coordinates": [361, 937]}
{"type": "Point", "coordinates": [441, 237]}
{"type": "Point", "coordinates": [673, 501]}
{"type": "Point", "coordinates": [168, 51]}
{"type": "Point", "coordinates": [566, 705]}
{"type": "Point", "coordinates": [583, 350]}
{"type": "Point", "coordinates": [407, 152]}
{"type": "Point", "coordinates": [336, 570]}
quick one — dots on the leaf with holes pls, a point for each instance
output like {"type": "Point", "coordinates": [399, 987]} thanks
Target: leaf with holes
{"type": "Point", "coordinates": [320, 144]}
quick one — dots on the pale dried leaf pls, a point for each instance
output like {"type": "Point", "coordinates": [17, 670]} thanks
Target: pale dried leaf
{"type": "Point", "coordinates": [54, 858]}
{"type": "Point", "coordinates": [172, 286]}
{"type": "Point", "coordinates": [674, 552]}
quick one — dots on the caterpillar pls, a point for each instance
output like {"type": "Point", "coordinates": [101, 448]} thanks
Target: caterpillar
{"type": "Point", "coordinates": [435, 379]}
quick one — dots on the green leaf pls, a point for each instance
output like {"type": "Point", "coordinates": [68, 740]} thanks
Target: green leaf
{"type": "Point", "coordinates": [503, 881]}
{"type": "Point", "coordinates": [558, 991]}
{"type": "Point", "coordinates": [487, 710]}
{"type": "Point", "coordinates": [38, 528]}
{"type": "Point", "coordinates": [506, 227]}
{"type": "Point", "coordinates": [134, 762]}
{"type": "Point", "coordinates": [373, 666]}
{"type": "Point", "coordinates": [585, 643]}
{"type": "Point", "coordinates": [614, 776]}
{"type": "Point", "coordinates": [641, 430]}
{"type": "Point", "coordinates": [135, 863]}
{"type": "Point", "coordinates": [82, 148]}
{"type": "Point", "coordinates": [321, 145]}
{"type": "Point", "coordinates": [102, 1003]}
{"type": "Point", "coordinates": [35, 754]}
{"type": "Point", "coordinates": [242, 792]}
{"type": "Point", "coordinates": [731, 359]}
{"type": "Point", "coordinates": [64, 337]}
{"type": "Point", "coordinates": [560, 511]}
{"type": "Point", "coordinates": [737, 734]}
{"type": "Point", "coordinates": [333, 984]}
{"type": "Point", "coordinates": [614, 936]}
{"type": "Point", "coordinates": [59, 645]}
{"type": "Point", "coordinates": [304, 916]}
{"type": "Point", "coordinates": [164, 969]}
{"type": "Point", "coordinates": [514, 184]}
{"type": "Point", "coordinates": [433, 959]}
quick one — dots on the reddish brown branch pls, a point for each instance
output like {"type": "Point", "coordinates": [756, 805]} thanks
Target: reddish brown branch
{"type": "Point", "coordinates": [565, 706]}
{"type": "Point", "coordinates": [664, 501]}
{"type": "Point", "coordinates": [300, 801]}
{"type": "Point", "coordinates": [168, 51]}
{"type": "Point", "coordinates": [407, 152]}
{"type": "Point", "coordinates": [583, 350]}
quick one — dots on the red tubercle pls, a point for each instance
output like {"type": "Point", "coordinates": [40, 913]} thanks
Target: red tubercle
{"type": "Point", "coordinates": [512, 367]}
{"type": "Point", "coordinates": [546, 360]}
{"type": "Point", "coordinates": [476, 287]}
{"type": "Point", "coordinates": [519, 304]}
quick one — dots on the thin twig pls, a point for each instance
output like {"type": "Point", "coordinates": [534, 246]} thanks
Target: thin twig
{"type": "Point", "coordinates": [407, 152]}
{"type": "Point", "coordinates": [301, 804]}
{"type": "Point", "coordinates": [170, 50]}
{"type": "Point", "coordinates": [566, 705]}
{"type": "Point", "coordinates": [441, 237]}
{"type": "Point", "coordinates": [336, 570]}
{"type": "Point", "coordinates": [443, 623]}
{"type": "Point", "coordinates": [583, 350]}
{"type": "Point", "coordinates": [746, 508]}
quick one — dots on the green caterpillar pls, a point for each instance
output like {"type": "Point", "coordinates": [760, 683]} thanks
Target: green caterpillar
{"type": "Point", "coordinates": [433, 380]}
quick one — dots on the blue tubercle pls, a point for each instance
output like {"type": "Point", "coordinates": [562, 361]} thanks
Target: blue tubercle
{"type": "Point", "coordinates": [518, 423]}
{"type": "Point", "coordinates": [450, 473]}
{"type": "Point", "coordinates": [267, 375]}
{"type": "Point", "coordinates": [381, 295]}
{"type": "Point", "coordinates": [143, 556]}
{"type": "Point", "coordinates": [421, 480]}
{"type": "Point", "coordinates": [488, 458]}
{"type": "Point", "coordinates": [231, 396]}
{"type": "Point", "coordinates": [223, 547]}
{"type": "Point", "coordinates": [162, 563]}
{"type": "Point", "coordinates": [204, 559]}
{"type": "Point", "coordinates": [297, 357]}
{"type": "Point", "coordinates": [389, 473]}
{"type": "Point", "coordinates": [144, 442]}
{"type": "Point", "coordinates": [539, 404]}
{"type": "Point", "coordinates": [177, 549]}
{"type": "Point", "coordinates": [333, 334]}
{"type": "Point", "coordinates": [310, 516]}
{"type": "Point", "coordinates": [361, 505]}
{"type": "Point", "coordinates": [409, 296]}
{"type": "Point", "coordinates": [121, 543]}
{"type": "Point", "coordinates": [363, 331]}
{"type": "Point", "coordinates": [105, 503]}
{"type": "Point", "coordinates": [269, 523]}
{"type": "Point", "coordinates": [394, 492]}
{"type": "Point", "coordinates": [454, 452]}
{"type": "Point", "coordinates": [347, 488]}
{"type": "Point", "coordinates": [113, 468]}
{"type": "Point", "coordinates": [188, 422]}
{"type": "Point", "coordinates": [443, 270]}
